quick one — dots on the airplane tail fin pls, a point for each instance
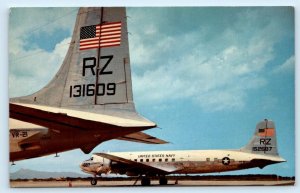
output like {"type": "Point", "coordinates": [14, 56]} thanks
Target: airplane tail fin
{"type": "Point", "coordinates": [264, 139]}
{"type": "Point", "coordinates": [95, 74]}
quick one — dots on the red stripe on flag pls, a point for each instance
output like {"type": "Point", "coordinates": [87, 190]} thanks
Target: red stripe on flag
{"type": "Point", "coordinates": [107, 35]}
{"type": "Point", "coordinates": [101, 42]}
{"type": "Point", "coordinates": [101, 46]}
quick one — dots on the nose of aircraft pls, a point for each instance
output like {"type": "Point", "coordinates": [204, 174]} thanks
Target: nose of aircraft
{"type": "Point", "coordinates": [83, 166]}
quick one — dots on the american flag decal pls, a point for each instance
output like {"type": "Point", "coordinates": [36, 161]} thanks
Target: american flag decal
{"type": "Point", "coordinates": [102, 35]}
{"type": "Point", "coordinates": [267, 132]}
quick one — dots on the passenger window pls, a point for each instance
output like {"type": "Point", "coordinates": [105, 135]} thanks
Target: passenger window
{"type": "Point", "coordinates": [207, 159]}
{"type": "Point", "coordinates": [160, 160]}
{"type": "Point", "coordinates": [147, 160]}
{"type": "Point", "coordinates": [173, 159]}
{"type": "Point", "coordinates": [166, 160]}
{"type": "Point", "coordinates": [141, 160]}
{"type": "Point", "coordinates": [153, 160]}
{"type": "Point", "coordinates": [135, 160]}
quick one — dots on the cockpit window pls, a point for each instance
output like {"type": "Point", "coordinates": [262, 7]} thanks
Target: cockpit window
{"type": "Point", "coordinates": [91, 159]}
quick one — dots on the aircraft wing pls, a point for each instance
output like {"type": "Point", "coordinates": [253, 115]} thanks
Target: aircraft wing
{"type": "Point", "coordinates": [59, 119]}
{"type": "Point", "coordinates": [142, 138]}
{"type": "Point", "coordinates": [19, 110]}
{"type": "Point", "coordinates": [158, 168]}
{"type": "Point", "coordinates": [104, 126]}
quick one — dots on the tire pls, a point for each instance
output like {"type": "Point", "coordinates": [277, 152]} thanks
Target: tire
{"type": "Point", "coordinates": [94, 182]}
{"type": "Point", "coordinates": [163, 181]}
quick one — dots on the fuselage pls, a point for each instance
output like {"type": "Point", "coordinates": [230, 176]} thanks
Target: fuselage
{"type": "Point", "coordinates": [29, 140]}
{"type": "Point", "coordinates": [189, 161]}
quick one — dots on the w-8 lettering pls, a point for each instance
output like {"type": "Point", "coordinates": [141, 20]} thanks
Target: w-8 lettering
{"type": "Point", "coordinates": [100, 89]}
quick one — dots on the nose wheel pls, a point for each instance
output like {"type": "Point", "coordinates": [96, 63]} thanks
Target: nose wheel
{"type": "Point", "coordinates": [94, 182]}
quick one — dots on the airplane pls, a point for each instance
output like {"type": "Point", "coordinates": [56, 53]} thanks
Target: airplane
{"type": "Point", "coordinates": [89, 100]}
{"type": "Point", "coordinates": [259, 152]}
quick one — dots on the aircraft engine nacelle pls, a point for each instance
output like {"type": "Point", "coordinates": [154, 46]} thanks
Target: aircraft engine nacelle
{"type": "Point", "coordinates": [104, 167]}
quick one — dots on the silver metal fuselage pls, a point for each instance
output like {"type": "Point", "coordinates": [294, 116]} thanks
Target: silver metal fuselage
{"type": "Point", "coordinates": [29, 140]}
{"type": "Point", "coordinates": [189, 162]}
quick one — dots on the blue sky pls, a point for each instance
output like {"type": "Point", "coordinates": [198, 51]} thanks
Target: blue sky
{"type": "Point", "coordinates": [206, 76]}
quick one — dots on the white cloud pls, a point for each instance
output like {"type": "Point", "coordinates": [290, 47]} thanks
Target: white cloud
{"type": "Point", "coordinates": [215, 81]}
{"type": "Point", "coordinates": [287, 66]}
{"type": "Point", "coordinates": [217, 75]}
{"type": "Point", "coordinates": [220, 82]}
{"type": "Point", "coordinates": [147, 54]}
{"type": "Point", "coordinates": [27, 72]}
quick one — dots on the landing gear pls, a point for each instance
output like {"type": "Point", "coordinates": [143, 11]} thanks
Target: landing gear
{"type": "Point", "coordinates": [163, 181]}
{"type": "Point", "coordinates": [94, 182]}
{"type": "Point", "coordinates": [145, 181]}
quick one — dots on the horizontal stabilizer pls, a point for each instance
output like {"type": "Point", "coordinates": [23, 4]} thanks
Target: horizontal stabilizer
{"type": "Point", "coordinates": [73, 117]}
{"type": "Point", "coordinates": [142, 138]}
{"type": "Point", "coordinates": [261, 163]}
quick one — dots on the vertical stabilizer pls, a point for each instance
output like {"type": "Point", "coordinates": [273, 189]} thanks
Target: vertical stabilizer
{"type": "Point", "coordinates": [264, 139]}
{"type": "Point", "coordinates": [95, 74]}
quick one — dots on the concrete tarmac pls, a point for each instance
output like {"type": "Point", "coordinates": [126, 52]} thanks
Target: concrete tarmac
{"type": "Point", "coordinates": [171, 183]}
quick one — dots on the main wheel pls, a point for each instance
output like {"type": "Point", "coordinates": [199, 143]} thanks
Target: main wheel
{"type": "Point", "coordinates": [145, 181]}
{"type": "Point", "coordinates": [163, 181]}
{"type": "Point", "coordinates": [93, 181]}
